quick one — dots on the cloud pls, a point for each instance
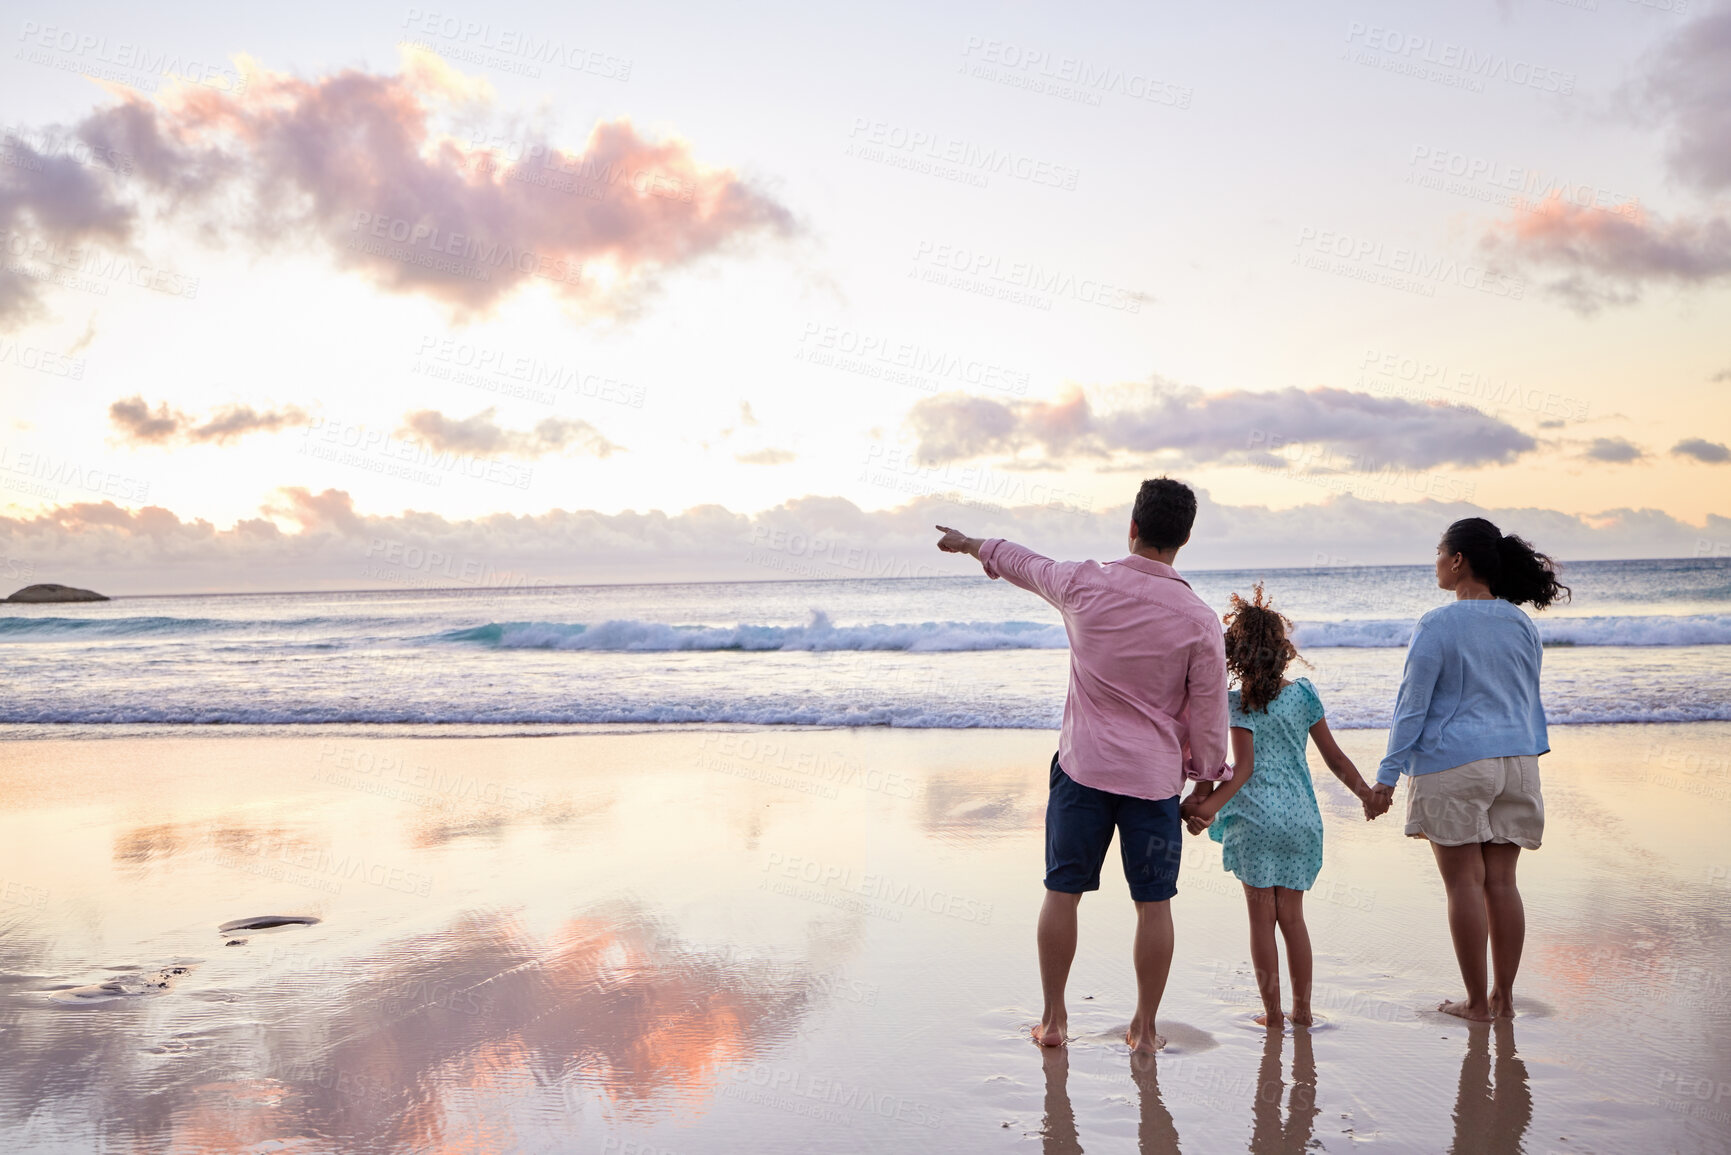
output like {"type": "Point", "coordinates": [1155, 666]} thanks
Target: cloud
{"type": "Point", "coordinates": [356, 163]}
{"type": "Point", "coordinates": [765, 457]}
{"type": "Point", "coordinates": [1613, 451]}
{"type": "Point", "coordinates": [323, 542]}
{"type": "Point", "coordinates": [1690, 85]}
{"type": "Point", "coordinates": [138, 424]}
{"type": "Point", "coordinates": [480, 435]}
{"type": "Point", "coordinates": [1360, 430]}
{"type": "Point", "coordinates": [1600, 258]}
{"type": "Point", "coordinates": [1701, 449]}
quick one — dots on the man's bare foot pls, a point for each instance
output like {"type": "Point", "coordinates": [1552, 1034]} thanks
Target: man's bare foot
{"type": "Point", "coordinates": [1145, 1041]}
{"type": "Point", "coordinates": [1271, 1020]}
{"type": "Point", "coordinates": [1301, 1016]}
{"type": "Point", "coordinates": [1502, 1006]}
{"type": "Point", "coordinates": [1463, 1010]}
{"type": "Point", "coordinates": [1051, 1032]}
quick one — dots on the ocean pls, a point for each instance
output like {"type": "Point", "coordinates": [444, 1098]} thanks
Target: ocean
{"type": "Point", "coordinates": [1642, 641]}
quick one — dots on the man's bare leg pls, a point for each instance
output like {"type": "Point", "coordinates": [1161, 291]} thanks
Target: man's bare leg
{"type": "Point", "coordinates": [1463, 875]}
{"type": "Point", "coordinates": [1153, 957]}
{"type": "Point", "coordinates": [1056, 935]}
{"type": "Point", "coordinates": [1508, 924]}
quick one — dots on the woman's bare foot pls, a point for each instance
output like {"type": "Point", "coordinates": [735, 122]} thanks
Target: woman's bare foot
{"type": "Point", "coordinates": [1466, 1010]}
{"type": "Point", "coordinates": [1502, 1006]}
{"type": "Point", "coordinates": [1301, 1016]}
{"type": "Point", "coordinates": [1144, 1041]}
{"type": "Point", "coordinates": [1270, 1019]}
{"type": "Point", "coordinates": [1051, 1033]}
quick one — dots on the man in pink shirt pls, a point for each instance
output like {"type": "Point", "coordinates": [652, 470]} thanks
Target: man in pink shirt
{"type": "Point", "coordinates": [1146, 710]}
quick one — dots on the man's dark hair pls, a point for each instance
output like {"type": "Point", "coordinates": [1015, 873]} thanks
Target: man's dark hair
{"type": "Point", "coordinates": [1164, 512]}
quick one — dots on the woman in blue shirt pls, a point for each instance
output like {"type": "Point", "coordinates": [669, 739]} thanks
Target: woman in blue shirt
{"type": "Point", "coordinates": [1468, 731]}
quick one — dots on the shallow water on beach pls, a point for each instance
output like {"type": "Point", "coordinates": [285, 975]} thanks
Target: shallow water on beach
{"type": "Point", "coordinates": [795, 941]}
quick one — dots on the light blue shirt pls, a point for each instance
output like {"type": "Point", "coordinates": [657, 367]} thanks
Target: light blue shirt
{"type": "Point", "coordinates": [1470, 690]}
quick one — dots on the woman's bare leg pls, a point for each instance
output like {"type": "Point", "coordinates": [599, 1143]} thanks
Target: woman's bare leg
{"type": "Point", "coordinates": [1463, 875]}
{"type": "Point", "coordinates": [1264, 952]}
{"type": "Point", "coordinates": [1289, 914]}
{"type": "Point", "coordinates": [1507, 918]}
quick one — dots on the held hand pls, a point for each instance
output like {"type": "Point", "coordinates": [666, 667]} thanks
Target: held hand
{"type": "Point", "coordinates": [1377, 804]}
{"type": "Point", "coordinates": [1197, 817]}
{"type": "Point", "coordinates": [955, 541]}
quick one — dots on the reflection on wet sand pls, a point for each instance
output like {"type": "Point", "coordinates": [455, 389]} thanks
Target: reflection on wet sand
{"type": "Point", "coordinates": [1491, 1116]}
{"type": "Point", "coordinates": [1156, 1133]}
{"type": "Point", "coordinates": [1269, 1131]}
{"type": "Point", "coordinates": [610, 1014]}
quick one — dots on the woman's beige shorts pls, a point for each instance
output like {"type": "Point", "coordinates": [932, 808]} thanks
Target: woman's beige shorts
{"type": "Point", "coordinates": [1490, 800]}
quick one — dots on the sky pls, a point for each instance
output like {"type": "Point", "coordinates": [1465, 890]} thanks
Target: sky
{"type": "Point", "coordinates": [370, 295]}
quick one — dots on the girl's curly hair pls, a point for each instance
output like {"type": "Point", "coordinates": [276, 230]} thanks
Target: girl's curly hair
{"type": "Point", "coordinates": [1258, 649]}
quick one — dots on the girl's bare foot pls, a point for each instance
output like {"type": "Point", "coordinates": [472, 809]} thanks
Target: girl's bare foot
{"type": "Point", "coordinates": [1466, 1010]}
{"type": "Point", "coordinates": [1502, 1006]}
{"type": "Point", "coordinates": [1051, 1032]}
{"type": "Point", "coordinates": [1271, 1019]}
{"type": "Point", "coordinates": [1145, 1041]}
{"type": "Point", "coordinates": [1301, 1016]}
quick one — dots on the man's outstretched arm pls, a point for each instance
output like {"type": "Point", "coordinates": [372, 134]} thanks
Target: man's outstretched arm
{"type": "Point", "coordinates": [1016, 564]}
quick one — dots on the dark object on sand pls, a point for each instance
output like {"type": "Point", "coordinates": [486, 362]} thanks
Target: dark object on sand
{"type": "Point", "coordinates": [50, 592]}
{"type": "Point", "coordinates": [266, 922]}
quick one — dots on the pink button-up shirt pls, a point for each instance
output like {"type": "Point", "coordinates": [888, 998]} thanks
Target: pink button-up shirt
{"type": "Point", "coordinates": [1147, 702]}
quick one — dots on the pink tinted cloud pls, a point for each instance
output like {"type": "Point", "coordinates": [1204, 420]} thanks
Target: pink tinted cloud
{"type": "Point", "coordinates": [356, 163]}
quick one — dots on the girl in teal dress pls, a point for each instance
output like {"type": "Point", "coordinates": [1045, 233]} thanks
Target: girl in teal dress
{"type": "Point", "coordinates": [1266, 819]}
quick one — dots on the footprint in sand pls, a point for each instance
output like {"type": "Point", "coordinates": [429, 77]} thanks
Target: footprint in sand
{"type": "Point", "coordinates": [131, 983]}
{"type": "Point", "coordinates": [264, 922]}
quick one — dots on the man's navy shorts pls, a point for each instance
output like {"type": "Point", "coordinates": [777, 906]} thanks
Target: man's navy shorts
{"type": "Point", "coordinates": [1079, 824]}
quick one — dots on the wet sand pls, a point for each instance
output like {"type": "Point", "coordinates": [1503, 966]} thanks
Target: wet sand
{"type": "Point", "coordinates": [782, 941]}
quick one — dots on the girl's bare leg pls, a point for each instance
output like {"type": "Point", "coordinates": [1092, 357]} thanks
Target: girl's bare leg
{"type": "Point", "coordinates": [1264, 952]}
{"type": "Point", "coordinates": [1507, 918]}
{"type": "Point", "coordinates": [1463, 875]}
{"type": "Point", "coordinates": [1289, 914]}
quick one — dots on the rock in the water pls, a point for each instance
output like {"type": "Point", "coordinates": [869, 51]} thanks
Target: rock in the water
{"type": "Point", "coordinates": [49, 592]}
